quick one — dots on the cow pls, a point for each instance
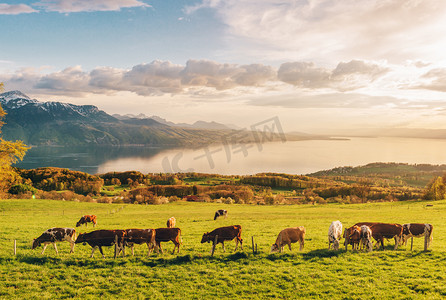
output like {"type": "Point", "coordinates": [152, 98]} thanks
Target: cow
{"type": "Point", "coordinates": [171, 222]}
{"type": "Point", "coordinates": [334, 234]}
{"type": "Point", "coordinates": [166, 235]}
{"type": "Point", "coordinates": [366, 238]}
{"type": "Point", "coordinates": [220, 212]}
{"type": "Point", "coordinates": [222, 234]}
{"type": "Point", "coordinates": [87, 219]}
{"type": "Point", "coordinates": [381, 231]}
{"type": "Point", "coordinates": [352, 236]}
{"type": "Point", "coordinates": [100, 238]}
{"type": "Point", "coordinates": [53, 235]}
{"type": "Point", "coordinates": [289, 236]}
{"type": "Point", "coordinates": [412, 230]}
{"type": "Point", "coordinates": [140, 236]}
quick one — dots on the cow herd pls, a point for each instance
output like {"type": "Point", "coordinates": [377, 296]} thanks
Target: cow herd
{"type": "Point", "coordinates": [359, 236]}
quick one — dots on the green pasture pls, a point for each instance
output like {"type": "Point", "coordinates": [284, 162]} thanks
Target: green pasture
{"type": "Point", "coordinates": [193, 274]}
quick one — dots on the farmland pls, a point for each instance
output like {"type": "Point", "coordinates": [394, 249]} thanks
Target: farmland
{"type": "Point", "coordinates": [313, 273]}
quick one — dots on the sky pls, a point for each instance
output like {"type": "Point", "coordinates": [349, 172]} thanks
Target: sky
{"type": "Point", "coordinates": [317, 65]}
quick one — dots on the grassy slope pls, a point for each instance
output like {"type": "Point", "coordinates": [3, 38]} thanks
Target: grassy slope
{"type": "Point", "coordinates": [316, 272]}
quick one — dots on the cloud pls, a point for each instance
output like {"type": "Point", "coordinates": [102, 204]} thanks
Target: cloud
{"type": "Point", "coordinates": [435, 80]}
{"type": "Point", "coordinates": [327, 31]}
{"type": "Point", "coordinates": [204, 77]}
{"type": "Point", "coordinates": [346, 76]}
{"type": "Point", "coordinates": [15, 9]}
{"type": "Point", "coordinates": [69, 6]}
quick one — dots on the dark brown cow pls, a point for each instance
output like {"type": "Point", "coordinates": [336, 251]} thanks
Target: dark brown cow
{"type": "Point", "coordinates": [166, 235]}
{"type": "Point", "coordinates": [100, 238]}
{"type": "Point", "coordinates": [140, 236]}
{"type": "Point", "coordinates": [347, 242]}
{"type": "Point", "coordinates": [171, 222]}
{"type": "Point", "coordinates": [383, 231]}
{"type": "Point", "coordinates": [53, 235]}
{"type": "Point", "coordinates": [227, 233]}
{"type": "Point", "coordinates": [417, 230]}
{"type": "Point", "coordinates": [288, 236]}
{"type": "Point", "coordinates": [87, 219]}
{"type": "Point", "coordinates": [220, 212]}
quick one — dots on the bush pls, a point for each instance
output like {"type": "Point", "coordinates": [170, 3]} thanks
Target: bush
{"type": "Point", "coordinates": [21, 189]}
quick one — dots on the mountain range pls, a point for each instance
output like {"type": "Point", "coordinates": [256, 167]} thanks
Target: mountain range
{"type": "Point", "coordinates": [57, 123]}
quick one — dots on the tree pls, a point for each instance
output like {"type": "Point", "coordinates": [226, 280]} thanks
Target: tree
{"type": "Point", "coordinates": [10, 153]}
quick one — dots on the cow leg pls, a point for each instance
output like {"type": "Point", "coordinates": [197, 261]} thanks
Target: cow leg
{"type": "Point", "coordinates": [44, 247]}
{"type": "Point", "coordinates": [301, 245]}
{"type": "Point", "coordinates": [133, 250]}
{"type": "Point", "coordinates": [92, 251]}
{"type": "Point", "coordinates": [159, 247]}
{"type": "Point", "coordinates": [397, 242]}
{"type": "Point", "coordinates": [289, 246]}
{"type": "Point", "coordinates": [102, 252]}
{"type": "Point", "coordinates": [55, 248]}
{"type": "Point", "coordinates": [223, 245]}
{"type": "Point", "coordinates": [72, 244]}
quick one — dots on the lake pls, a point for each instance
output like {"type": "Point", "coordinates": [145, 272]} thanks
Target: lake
{"type": "Point", "coordinates": [293, 157]}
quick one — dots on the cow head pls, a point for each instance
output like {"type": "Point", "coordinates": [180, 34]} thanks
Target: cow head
{"type": "Point", "coordinates": [274, 248]}
{"type": "Point", "coordinates": [336, 244]}
{"type": "Point", "coordinates": [80, 239]}
{"type": "Point", "coordinates": [36, 243]}
{"type": "Point", "coordinates": [205, 238]}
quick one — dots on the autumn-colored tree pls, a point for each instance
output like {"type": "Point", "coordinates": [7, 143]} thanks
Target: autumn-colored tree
{"type": "Point", "coordinates": [435, 189]}
{"type": "Point", "coordinates": [10, 153]}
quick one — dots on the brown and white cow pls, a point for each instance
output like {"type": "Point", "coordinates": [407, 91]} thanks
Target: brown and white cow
{"type": "Point", "coordinates": [53, 235]}
{"type": "Point", "coordinates": [366, 238]}
{"type": "Point", "coordinates": [220, 212]}
{"type": "Point", "coordinates": [166, 235]}
{"type": "Point", "coordinates": [140, 236]}
{"type": "Point", "coordinates": [417, 230]}
{"type": "Point", "coordinates": [223, 234]}
{"type": "Point", "coordinates": [383, 231]}
{"type": "Point", "coordinates": [100, 238]}
{"type": "Point", "coordinates": [289, 236]}
{"type": "Point", "coordinates": [171, 222]}
{"type": "Point", "coordinates": [87, 219]}
{"type": "Point", "coordinates": [352, 236]}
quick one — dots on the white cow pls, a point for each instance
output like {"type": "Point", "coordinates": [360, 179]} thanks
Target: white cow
{"type": "Point", "coordinates": [334, 234]}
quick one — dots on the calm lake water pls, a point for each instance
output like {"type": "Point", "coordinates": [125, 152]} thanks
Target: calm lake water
{"type": "Point", "coordinates": [299, 157]}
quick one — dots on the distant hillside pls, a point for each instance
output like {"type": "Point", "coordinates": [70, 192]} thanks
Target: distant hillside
{"type": "Point", "coordinates": [56, 123]}
{"type": "Point", "coordinates": [393, 174]}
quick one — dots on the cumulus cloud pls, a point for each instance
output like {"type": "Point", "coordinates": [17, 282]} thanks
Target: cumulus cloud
{"type": "Point", "coordinates": [198, 76]}
{"type": "Point", "coordinates": [69, 6]}
{"type": "Point", "coordinates": [15, 9]}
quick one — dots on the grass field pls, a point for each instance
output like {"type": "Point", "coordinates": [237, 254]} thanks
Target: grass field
{"type": "Point", "coordinates": [194, 274]}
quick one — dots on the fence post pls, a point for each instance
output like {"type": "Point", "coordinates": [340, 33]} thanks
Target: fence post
{"type": "Point", "coordinates": [213, 246]}
{"type": "Point", "coordinates": [15, 247]}
{"type": "Point", "coordinates": [116, 246]}
{"type": "Point", "coordinates": [411, 243]}
{"type": "Point", "coordinates": [253, 248]}
{"type": "Point", "coordinates": [425, 241]}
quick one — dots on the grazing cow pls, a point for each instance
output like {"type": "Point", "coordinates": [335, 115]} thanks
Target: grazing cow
{"type": "Point", "coordinates": [289, 236]}
{"type": "Point", "coordinates": [383, 231]}
{"type": "Point", "coordinates": [99, 238]}
{"type": "Point", "coordinates": [166, 235]}
{"type": "Point", "coordinates": [352, 237]}
{"type": "Point", "coordinates": [171, 222]}
{"type": "Point", "coordinates": [220, 212]}
{"type": "Point", "coordinates": [417, 230]}
{"type": "Point", "coordinates": [334, 234]}
{"type": "Point", "coordinates": [53, 235]}
{"type": "Point", "coordinates": [223, 234]}
{"type": "Point", "coordinates": [366, 238]}
{"type": "Point", "coordinates": [140, 236]}
{"type": "Point", "coordinates": [87, 219]}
